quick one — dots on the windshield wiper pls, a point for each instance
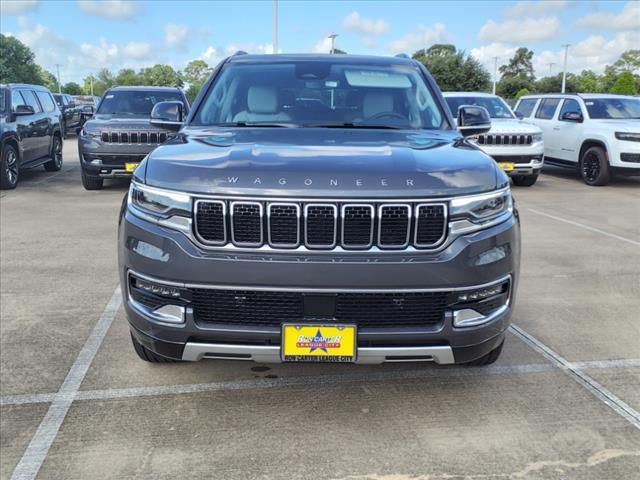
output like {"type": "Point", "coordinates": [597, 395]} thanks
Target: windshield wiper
{"type": "Point", "coordinates": [257, 124]}
{"type": "Point", "coordinates": [355, 125]}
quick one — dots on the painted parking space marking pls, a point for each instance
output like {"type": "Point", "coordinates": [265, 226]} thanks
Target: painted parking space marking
{"type": "Point", "coordinates": [586, 227]}
{"type": "Point", "coordinates": [47, 431]}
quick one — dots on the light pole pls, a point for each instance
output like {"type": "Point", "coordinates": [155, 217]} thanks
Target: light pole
{"type": "Point", "coordinates": [495, 73]}
{"type": "Point", "coordinates": [551, 64]}
{"type": "Point", "coordinates": [275, 26]}
{"type": "Point", "coordinates": [91, 80]}
{"type": "Point", "coordinates": [59, 84]}
{"type": "Point", "coordinates": [333, 42]}
{"type": "Point", "coordinates": [564, 69]}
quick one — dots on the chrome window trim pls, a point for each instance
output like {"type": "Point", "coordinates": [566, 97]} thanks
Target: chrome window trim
{"type": "Point", "coordinates": [224, 222]}
{"type": "Point", "coordinates": [409, 222]}
{"type": "Point", "coordinates": [283, 245]}
{"type": "Point", "coordinates": [261, 213]}
{"type": "Point", "coordinates": [445, 226]}
{"type": "Point", "coordinates": [334, 207]}
{"type": "Point", "coordinates": [372, 210]}
{"type": "Point", "coordinates": [323, 290]}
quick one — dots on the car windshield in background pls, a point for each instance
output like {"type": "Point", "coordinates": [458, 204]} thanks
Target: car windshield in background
{"type": "Point", "coordinates": [58, 98]}
{"type": "Point", "coordinates": [495, 106]}
{"type": "Point", "coordinates": [134, 102]}
{"type": "Point", "coordinates": [610, 108]}
{"type": "Point", "coordinates": [3, 99]}
{"type": "Point", "coordinates": [321, 94]}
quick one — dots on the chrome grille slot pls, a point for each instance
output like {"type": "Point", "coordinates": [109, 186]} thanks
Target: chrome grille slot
{"type": "Point", "coordinates": [357, 225]}
{"type": "Point", "coordinates": [114, 137]}
{"type": "Point", "coordinates": [394, 225]}
{"type": "Point", "coordinates": [507, 139]}
{"type": "Point", "coordinates": [124, 137]}
{"type": "Point", "coordinates": [162, 137]}
{"type": "Point", "coordinates": [144, 137]}
{"type": "Point", "coordinates": [153, 137]}
{"type": "Point", "coordinates": [134, 137]}
{"type": "Point", "coordinates": [321, 222]}
{"type": "Point", "coordinates": [210, 218]}
{"type": "Point", "coordinates": [246, 224]}
{"type": "Point", "coordinates": [283, 224]}
{"type": "Point", "coordinates": [431, 223]}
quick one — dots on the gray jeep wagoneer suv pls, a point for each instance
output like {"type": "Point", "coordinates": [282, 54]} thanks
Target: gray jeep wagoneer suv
{"type": "Point", "coordinates": [319, 208]}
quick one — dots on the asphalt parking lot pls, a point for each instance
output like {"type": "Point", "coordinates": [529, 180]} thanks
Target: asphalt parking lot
{"type": "Point", "coordinates": [562, 402]}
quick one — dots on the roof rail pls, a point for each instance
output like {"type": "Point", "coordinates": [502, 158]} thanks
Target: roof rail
{"type": "Point", "coordinates": [239, 52]}
{"type": "Point", "coordinates": [402, 55]}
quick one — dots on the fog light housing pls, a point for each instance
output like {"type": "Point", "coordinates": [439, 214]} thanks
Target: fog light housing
{"type": "Point", "coordinates": [156, 289]}
{"type": "Point", "coordinates": [481, 294]}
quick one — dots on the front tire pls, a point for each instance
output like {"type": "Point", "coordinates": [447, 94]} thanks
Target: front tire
{"type": "Point", "coordinates": [9, 168]}
{"type": "Point", "coordinates": [525, 180]}
{"type": "Point", "coordinates": [147, 355]}
{"type": "Point", "coordinates": [594, 167]}
{"type": "Point", "coordinates": [55, 164]}
{"type": "Point", "coordinates": [487, 359]}
{"type": "Point", "coordinates": [89, 182]}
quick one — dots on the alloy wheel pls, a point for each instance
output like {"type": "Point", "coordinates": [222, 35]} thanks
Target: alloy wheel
{"type": "Point", "coordinates": [11, 167]}
{"type": "Point", "coordinates": [591, 167]}
{"type": "Point", "coordinates": [57, 152]}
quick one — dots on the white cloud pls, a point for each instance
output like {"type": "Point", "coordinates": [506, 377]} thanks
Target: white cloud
{"type": "Point", "coordinates": [109, 9]}
{"type": "Point", "coordinates": [176, 36]}
{"type": "Point", "coordinates": [520, 30]}
{"type": "Point", "coordinates": [18, 7]}
{"type": "Point", "coordinates": [423, 37]}
{"type": "Point", "coordinates": [531, 9]}
{"type": "Point", "coordinates": [369, 42]}
{"type": "Point", "coordinates": [593, 53]}
{"type": "Point", "coordinates": [486, 54]}
{"type": "Point", "coordinates": [627, 19]}
{"type": "Point", "coordinates": [364, 26]}
{"type": "Point", "coordinates": [137, 50]}
{"type": "Point", "coordinates": [212, 56]}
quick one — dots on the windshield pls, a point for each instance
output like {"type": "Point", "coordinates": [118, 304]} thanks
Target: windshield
{"type": "Point", "coordinates": [135, 102]}
{"type": "Point", "coordinates": [608, 108]}
{"type": "Point", "coordinates": [496, 107]}
{"type": "Point", "coordinates": [321, 93]}
{"type": "Point", "coordinates": [3, 100]}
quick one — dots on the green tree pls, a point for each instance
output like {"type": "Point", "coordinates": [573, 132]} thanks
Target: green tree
{"type": "Point", "coordinates": [521, 93]}
{"type": "Point", "coordinates": [587, 82]}
{"type": "Point", "coordinates": [17, 62]}
{"type": "Point", "coordinates": [127, 76]}
{"type": "Point", "coordinates": [625, 84]}
{"type": "Point", "coordinates": [553, 84]}
{"type": "Point", "coordinates": [607, 79]}
{"type": "Point", "coordinates": [72, 88]}
{"type": "Point", "coordinates": [49, 80]}
{"type": "Point", "coordinates": [101, 82]}
{"type": "Point", "coordinates": [337, 51]}
{"type": "Point", "coordinates": [629, 61]}
{"type": "Point", "coordinates": [161, 76]}
{"type": "Point", "coordinates": [196, 71]}
{"type": "Point", "coordinates": [508, 87]}
{"type": "Point", "coordinates": [453, 69]}
{"type": "Point", "coordinates": [520, 65]}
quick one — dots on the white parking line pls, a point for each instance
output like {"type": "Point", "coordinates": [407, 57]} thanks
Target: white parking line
{"type": "Point", "coordinates": [598, 390]}
{"type": "Point", "coordinates": [586, 227]}
{"type": "Point", "coordinates": [38, 448]}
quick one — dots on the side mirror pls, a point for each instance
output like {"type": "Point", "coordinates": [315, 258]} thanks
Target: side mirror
{"type": "Point", "coordinates": [473, 120]}
{"type": "Point", "coordinates": [519, 115]}
{"type": "Point", "coordinates": [87, 109]}
{"type": "Point", "coordinates": [168, 115]}
{"type": "Point", "coordinates": [572, 117]}
{"type": "Point", "coordinates": [24, 110]}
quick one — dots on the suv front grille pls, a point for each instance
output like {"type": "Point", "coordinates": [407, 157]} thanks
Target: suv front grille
{"type": "Point", "coordinates": [506, 140]}
{"type": "Point", "coordinates": [134, 137]}
{"type": "Point", "coordinates": [271, 309]}
{"type": "Point", "coordinates": [351, 226]}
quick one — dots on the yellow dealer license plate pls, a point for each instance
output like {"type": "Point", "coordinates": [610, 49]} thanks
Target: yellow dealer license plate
{"type": "Point", "coordinates": [318, 343]}
{"type": "Point", "coordinates": [130, 167]}
{"type": "Point", "coordinates": [507, 166]}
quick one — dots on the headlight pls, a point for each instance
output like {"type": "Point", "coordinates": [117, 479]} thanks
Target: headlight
{"type": "Point", "coordinates": [629, 137]}
{"type": "Point", "coordinates": [89, 133]}
{"type": "Point", "coordinates": [158, 202]}
{"type": "Point", "coordinates": [536, 137]}
{"type": "Point", "coordinates": [472, 213]}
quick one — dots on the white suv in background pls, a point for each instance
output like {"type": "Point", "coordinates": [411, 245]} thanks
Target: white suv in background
{"type": "Point", "coordinates": [516, 145]}
{"type": "Point", "coordinates": [599, 133]}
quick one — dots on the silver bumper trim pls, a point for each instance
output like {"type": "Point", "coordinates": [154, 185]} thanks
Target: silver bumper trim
{"type": "Point", "coordinates": [193, 352]}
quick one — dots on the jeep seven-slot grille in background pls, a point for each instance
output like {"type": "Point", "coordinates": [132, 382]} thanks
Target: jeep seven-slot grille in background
{"type": "Point", "coordinates": [136, 138]}
{"type": "Point", "coordinates": [505, 139]}
{"type": "Point", "coordinates": [349, 225]}
{"type": "Point", "coordinates": [270, 308]}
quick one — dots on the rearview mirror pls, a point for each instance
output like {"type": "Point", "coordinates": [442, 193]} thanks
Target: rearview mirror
{"type": "Point", "coordinates": [168, 115]}
{"type": "Point", "coordinates": [572, 117]}
{"type": "Point", "coordinates": [24, 110]}
{"type": "Point", "coordinates": [473, 120]}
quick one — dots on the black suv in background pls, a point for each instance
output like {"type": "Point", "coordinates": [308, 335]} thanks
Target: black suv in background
{"type": "Point", "coordinates": [30, 131]}
{"type": "Point", "coordinates": [72, 118]}
{"type": "Point", "coordinates": [119, 135]}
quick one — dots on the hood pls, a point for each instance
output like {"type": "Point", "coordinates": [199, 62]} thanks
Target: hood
{"type": "Point", "coordinates": [616, 125]}
{"type": "Point", "coordinates": [314, 162]}
{"type": "Point", "coordinates": [512, 125]}
{"type": "Point", "coordinates": [102, 121]}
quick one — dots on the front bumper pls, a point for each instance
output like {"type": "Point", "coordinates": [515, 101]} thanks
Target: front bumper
{"type": "Point", "coordinates": [108, 161]}
{"type": "Point", "coordinates": [169, 257]}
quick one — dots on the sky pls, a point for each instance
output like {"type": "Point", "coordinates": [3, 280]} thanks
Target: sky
{"type": "Point", "coordinates": [85, 36]}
